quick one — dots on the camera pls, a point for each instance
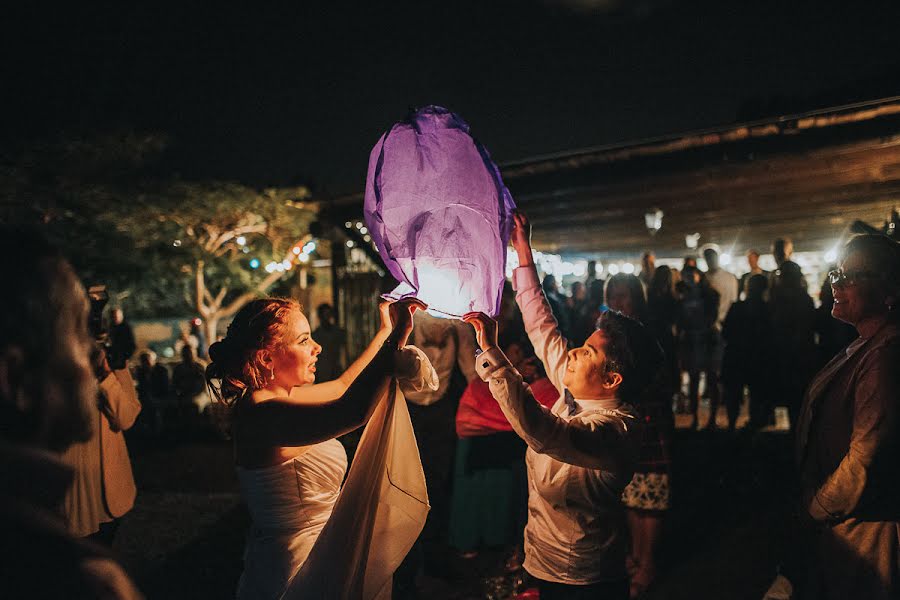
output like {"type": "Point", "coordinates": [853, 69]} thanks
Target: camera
{"type": "Point", "coordinates": [99, 298]}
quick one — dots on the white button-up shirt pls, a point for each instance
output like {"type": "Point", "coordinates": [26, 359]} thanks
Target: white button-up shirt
{"type": "Point", "coordinates": [578, 462]}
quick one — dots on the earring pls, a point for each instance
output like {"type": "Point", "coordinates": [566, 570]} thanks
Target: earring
{"type": "Point", "coordinates": [271, 374]}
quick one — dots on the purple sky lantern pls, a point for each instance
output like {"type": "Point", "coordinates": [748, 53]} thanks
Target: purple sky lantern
{"type": "Point", "coordinates": [439, 213]}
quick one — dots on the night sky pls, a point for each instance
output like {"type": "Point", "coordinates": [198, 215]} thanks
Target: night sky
{"type": "Point", "coordinates": [276, 97]}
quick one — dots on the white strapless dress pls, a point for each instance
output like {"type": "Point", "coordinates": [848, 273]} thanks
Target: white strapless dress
{"type": "Point", "coordinates": [311, 539]}
{"type": "Point", "coordinates": [289, 505]}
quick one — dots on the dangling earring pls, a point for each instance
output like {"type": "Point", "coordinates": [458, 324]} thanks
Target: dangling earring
{"type": "Point", "coordinates": [271, 374]}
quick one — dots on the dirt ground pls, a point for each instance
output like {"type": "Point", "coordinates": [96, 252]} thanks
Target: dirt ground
{"type": "Point", "coordinates": [723, 537]}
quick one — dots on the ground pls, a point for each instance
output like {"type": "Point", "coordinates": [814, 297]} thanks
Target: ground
{"type": "Point", "coordinates": [724, 536]}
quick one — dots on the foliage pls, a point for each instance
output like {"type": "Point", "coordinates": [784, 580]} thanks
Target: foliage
{"type": "Point", "coordinates": [152, 239]}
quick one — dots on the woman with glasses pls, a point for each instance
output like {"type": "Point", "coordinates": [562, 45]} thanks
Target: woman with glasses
{"type": "Point", "coordinates": [848, 441]}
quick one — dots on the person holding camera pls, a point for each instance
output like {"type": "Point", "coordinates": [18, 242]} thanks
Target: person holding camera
{"type": "Point", "coordinates": [104, 489]}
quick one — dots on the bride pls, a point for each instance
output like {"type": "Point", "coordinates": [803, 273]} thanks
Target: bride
{"type": "Point", "coordinates": [289, 464]}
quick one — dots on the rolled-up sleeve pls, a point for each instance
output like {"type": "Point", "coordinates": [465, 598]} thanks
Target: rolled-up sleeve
{"type": "Point", "coordinates": [414, 371]}
{"type": "Point", "coordinates": [584, 442]}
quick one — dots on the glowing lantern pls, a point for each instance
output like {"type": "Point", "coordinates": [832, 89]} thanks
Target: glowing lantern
{"type": "Point", "coordinates": [439, 213]}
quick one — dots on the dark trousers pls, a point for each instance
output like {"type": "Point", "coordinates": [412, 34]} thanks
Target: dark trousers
{"type": "Point", "coordinates": [614, 590]}
{"type": "Point", "coordinates": [435, 428]}
{"type": "Point", "coordinates": [760, 401]}
{"type": "Point", "coordinates": [106, 534]}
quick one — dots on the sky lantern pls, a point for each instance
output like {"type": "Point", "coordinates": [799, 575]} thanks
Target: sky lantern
{"type": "Point", "coordinates": [439, 213]}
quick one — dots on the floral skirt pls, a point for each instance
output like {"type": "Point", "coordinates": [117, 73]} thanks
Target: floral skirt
{"type": "Point", "coordinates": [647, 491]}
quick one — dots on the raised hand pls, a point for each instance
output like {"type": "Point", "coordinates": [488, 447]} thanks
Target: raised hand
{"type": "Point", "coordinates": [485, 329]}
{"type": "Point", "coordinates": [520, 237]}
{"type": "Point", "coordinates": [521, 231]}
{"type": "Point", "coordinates": [401, 313]}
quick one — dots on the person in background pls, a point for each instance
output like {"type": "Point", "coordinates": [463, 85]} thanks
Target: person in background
{"type": "Point", "coordinates": [648, 267]}
{"type": "Point", "coordinates": [490, 492]}
{"type": "Point", "coordinates": [793, 349]}
{"type": "Point", "coordinates": [755, 269]}
{"type": "Point", "coordinates": [579, 313]}
{"type": "Point", "coordinates": [104, 489]}
{"type": "Point", "coordinates": [581, 453]}
{"type": "Point", "coordinates": [152, 381]}
{"type": "Point", "coordinates": [662, 316]}
{"type": "Point", "coordinates": [121, 340]}
{"type": "Point", "coordinates": [450, 345]}
{"type": "Point", "coordinates": [557, 304]}
{"type": "Point", "coordinates": [646, 497]}
{"type": "Point", "coordinates": [848, 437]}
{"type": "Point", "coordinates": [747, 332]}
{"type": "Point", "coordinates": [202, 344]}
{"type": "Point", "coordinates": [689, 261]}
{"type": "Point", "coordinates": [189, 387]}
{"type": "Point", "coordinates": [333, 340]}
{"type": "Point", "coordinates": [726, 285]}
{"type": "Point", "coordinates": [596, 306]}
{"type": "Point", "coordinates": [783, 252]}
{"type": "Point", "coordinates": [698, 309]}
{"type": "Point", "coordinates": [48, 401]}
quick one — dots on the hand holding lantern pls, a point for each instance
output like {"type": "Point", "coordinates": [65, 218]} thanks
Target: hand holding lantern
{"type": "Point", "coordinates": [485, 329]}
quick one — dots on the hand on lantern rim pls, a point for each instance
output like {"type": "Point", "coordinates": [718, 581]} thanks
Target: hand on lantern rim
{"type": "Point", "coordinates": [485, 329]}
{"type": "Point", "coordinates": [401, 314]}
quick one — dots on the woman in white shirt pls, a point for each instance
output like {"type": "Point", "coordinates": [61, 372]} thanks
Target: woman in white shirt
{"type": "Point", "coordinates": [583, 451]}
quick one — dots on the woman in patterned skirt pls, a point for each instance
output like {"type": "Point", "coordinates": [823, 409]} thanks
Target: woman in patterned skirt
{"type": "Point", "coordinates": [647, 496]}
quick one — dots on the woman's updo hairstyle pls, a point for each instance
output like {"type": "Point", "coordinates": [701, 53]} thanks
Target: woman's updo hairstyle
{"type": "Point", "coordinates": [236, 365]}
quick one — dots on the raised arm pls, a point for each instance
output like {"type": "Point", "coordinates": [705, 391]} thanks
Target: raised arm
{"type": "Point", "coordinates": [296, 422]}
{"type": "Point", "coordinates": [549, 344]}
{"type": "Point", "coordinates": [584, 443]}
{"type": "Point", "coordinates": [331, 390]}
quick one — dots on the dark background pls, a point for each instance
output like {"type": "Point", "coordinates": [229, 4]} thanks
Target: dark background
{"type": "Point", "coordinates": [299, 93]}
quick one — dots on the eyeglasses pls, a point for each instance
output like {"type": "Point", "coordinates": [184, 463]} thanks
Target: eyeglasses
{"type": "Point", "coordinates": [839, 278]}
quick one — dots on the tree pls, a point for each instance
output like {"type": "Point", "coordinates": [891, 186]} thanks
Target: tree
{"type": "Point", "coordinates": [166, 245]}
{"type": "Point", "coordinates": [225, 234]}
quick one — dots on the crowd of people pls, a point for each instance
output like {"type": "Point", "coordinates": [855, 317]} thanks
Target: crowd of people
{"type": "Point", "coordinates": [552, 440]}
{"type": "Point", "coordinates": [760, 333]}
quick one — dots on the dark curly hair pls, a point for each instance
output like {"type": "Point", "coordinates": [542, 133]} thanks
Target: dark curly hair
{"type": "Point", "coordinates": [630, 351]}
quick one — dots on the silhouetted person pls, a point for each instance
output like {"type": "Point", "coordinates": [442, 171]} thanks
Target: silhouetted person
{"type": "Point", "coordinates": [726, 285]}
{"type": "Point", "coordinates": [579, 312]}
{"type": "Point", "coordinates": [202, 344]}
{"type": "Point", "coordinates": [793, 347]}
{"type": "Point", "coordinates": [152, 381]}
{"type": "Point", "coordinates": [755, 269]}
{"type": "Point", "coordinates": [121, 340]}
{"type": "Point", "coordinates": [662, 315]}
{"type": "Point", "coordinates": [747, 332]}
{"type": "Point", "coordinates": [333, 340]}
{"type": "Point", "coordinates": [188, 382]}
{"type": "Point", "coordinates": [783, 251]}
{"type": "Point", "coordinates": [648, 266]}
{"type": "Point", "coordinates": [557, 305]}
{"type": "Point", "coordinates": [698, 310]}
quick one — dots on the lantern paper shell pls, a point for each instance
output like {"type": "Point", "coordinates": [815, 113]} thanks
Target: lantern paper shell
{"type": "Point", "coordinates": [439, 214]}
